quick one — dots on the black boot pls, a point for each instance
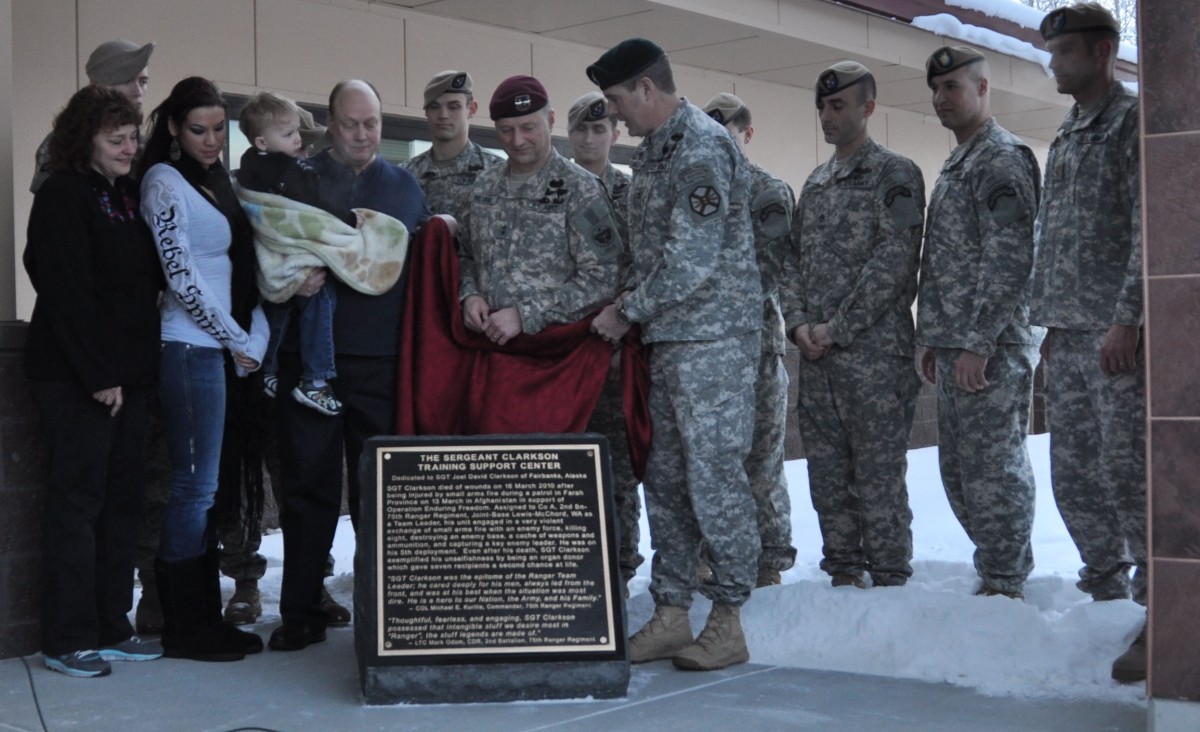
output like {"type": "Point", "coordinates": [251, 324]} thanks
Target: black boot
{"type": "Point", "coordinates": [248, 642]}
{"type": "Point", "coordinates": [186, 632]}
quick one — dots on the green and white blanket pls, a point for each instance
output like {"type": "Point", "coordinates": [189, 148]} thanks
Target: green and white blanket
{"type": "Point", "coordinates": [291, 238]}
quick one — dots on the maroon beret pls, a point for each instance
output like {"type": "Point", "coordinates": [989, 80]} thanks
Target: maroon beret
{"type": "Point", "coordinates": [517, 96]}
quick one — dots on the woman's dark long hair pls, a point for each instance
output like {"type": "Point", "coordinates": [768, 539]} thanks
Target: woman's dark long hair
{"type": "Point", "coordinates": [191, 93]}
{"type": "Point", "coordinates": [91, 110]}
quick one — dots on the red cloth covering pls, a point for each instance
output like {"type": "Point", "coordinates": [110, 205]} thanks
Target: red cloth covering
{"type": "Point", "coordinates": [453, 381]}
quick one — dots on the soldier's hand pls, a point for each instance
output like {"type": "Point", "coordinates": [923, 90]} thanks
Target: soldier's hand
{"type": "Point", "coordinates": [503, 325]}
{"type": "Point", "coordinates": [929, 365]}
{"type": "Point", "coordinates": [968, 371]}
{"type": "Point", "coordinates": [820, 335]}
{"type": "Point", "coordinates": [475, 311]}
{"type": "Point", "coordinates": [1118, 352]}
{"type": "Point", "coordinates": [608, 326]}
{"type": "Point", "coordinates": [802, 335]}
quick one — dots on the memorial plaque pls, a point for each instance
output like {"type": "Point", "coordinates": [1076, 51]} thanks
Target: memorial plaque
{"type": "Point", "coordinates": [492, 570]}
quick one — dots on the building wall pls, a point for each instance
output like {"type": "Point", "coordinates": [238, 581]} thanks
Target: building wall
{"type": "Point", "coordinates": [302, 47]}
{"type": "Point", "coordinates": [1171, 145]}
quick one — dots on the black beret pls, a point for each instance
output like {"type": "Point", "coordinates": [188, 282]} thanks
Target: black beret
{"type": "Point", "coordinates": [517, 96]}
{"type": "Point", "coordinates": [950, 58]}
{"type": "Point", "coordinates": [624, 61]}
{"type": "Point", "coordinates": [1079, 18]}
{"type": "Point", "coordinates": [841, 76]}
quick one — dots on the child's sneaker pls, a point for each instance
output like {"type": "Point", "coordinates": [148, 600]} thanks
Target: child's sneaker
{"type": "Point", "coordinates": [270, 385]}
{"type": "Point", "coordinates": [81, 664]}
{"type": "Point", "coordinates": [320, 399]}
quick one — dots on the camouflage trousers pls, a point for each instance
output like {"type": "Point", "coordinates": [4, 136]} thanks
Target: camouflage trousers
{"type": "Point", "coordinates": [609, 420]}
{"type": "Point", "coordinates": [702, 414]}
{"type": "Point", "coordinates": [1098, 461]}
{"type": "Point", "coordinates": [764, 466]}
{"type": "Point", "coordinates": [856, 412]}
{"type": "Point", "coordinates": [985, 464]}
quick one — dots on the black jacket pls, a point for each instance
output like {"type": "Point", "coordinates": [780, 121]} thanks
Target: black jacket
{"type": "Point", "coordinates": [274, 172]}
{"type": "Point", "coordinates": [92, 263]}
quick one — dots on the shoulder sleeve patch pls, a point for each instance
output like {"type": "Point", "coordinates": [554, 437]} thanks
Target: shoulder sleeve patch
{"type": "Point", "coordinates": [704, 200]}
{"type": "Point", "coordinates": [1004, 203]}
{"type": "Point", "coordinates": [770, 213]}
{"type": "Point", "coordinates": [596, 224]}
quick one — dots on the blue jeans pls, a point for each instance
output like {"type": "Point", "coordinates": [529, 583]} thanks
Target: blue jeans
{"type": "Point", "coordinates": [192, 389]}
{"type": "Point", "coordinates": [315, 331]}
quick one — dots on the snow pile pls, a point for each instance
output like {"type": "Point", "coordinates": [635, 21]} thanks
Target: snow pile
{"type": "Point", "coordinates": [1011, 10]}
{"type": "Point", "coordinates": [1057, 643]}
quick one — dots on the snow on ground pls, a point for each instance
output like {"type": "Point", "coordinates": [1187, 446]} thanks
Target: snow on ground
{"type": "Point", "coordinates": [1057, 643]}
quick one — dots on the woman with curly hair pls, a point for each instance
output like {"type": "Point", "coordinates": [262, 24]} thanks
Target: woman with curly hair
{"type": "Point", "coordinates": [206, 250]}
{"type": "Point", "coordinates": [91, 357]}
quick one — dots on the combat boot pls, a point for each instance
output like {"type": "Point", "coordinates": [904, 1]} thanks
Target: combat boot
{"type": "Point", "coordinates": [720, 644]}
{"type": "Point", "coordinates": [666, 634]}
{"type": "Point", "coordinates": [245, 606]}
{"type": "Point", "coordinates": [1130, 667]}
{"type": "Point", "coordinates": [767, 576]}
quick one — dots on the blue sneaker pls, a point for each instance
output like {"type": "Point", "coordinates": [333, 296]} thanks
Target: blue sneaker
{"type": "Point", "coordinates": [81, 664]}
{"type": "Point", "coordinates": [132, 649]}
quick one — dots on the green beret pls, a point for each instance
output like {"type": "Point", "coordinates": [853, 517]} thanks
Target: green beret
{"type": "Point", "coordinates": [624, 61]}
{"type": "Point", "coordinates": [591, 107]}
{"type": "Point", "coordinates": [841, 76]}
{"type": "Point", "coordinates": [724, 107]}
{"type": "Point", "coordinates": [1079, 18]}
{"type": "Point", "coordinates": [457, 82]}
{"type": "Point", "coordinates": [950, 58]}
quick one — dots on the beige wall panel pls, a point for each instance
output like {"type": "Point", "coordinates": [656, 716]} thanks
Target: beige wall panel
{"type": "Point", "coordinates": [761, 13]}
{"type": "Point", "coordinates": [826, 23]}
{"type": "Point", "coordinates": [213, 38]}
{"type": "Point", "coordinates": [305, 48]}
{"type": "Point", "coordinates": [898, 42]}
{"type": "Point", "coordinates": [46, 71]}
{"type": "Point", "coordinates": [563, 69]}
{"type": "Point", "coordinates": [490, 55]}
{"type": "Point", "coordinates": [923, 139]}
{"type": "Point", "coordinates": [785, 130]}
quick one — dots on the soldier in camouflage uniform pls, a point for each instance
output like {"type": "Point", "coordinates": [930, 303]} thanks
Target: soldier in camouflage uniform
{"type": "Point", "coordinates": [1087, 289]}
{"type": "Point", "coordinates": [592, 133]}
{"type": "Point", "coordinates": [973, 316]}
{"type": "Point", "coordinates": [118, 65]}
{"type": "Point", "coordinates": [696, 295]}
{"type": "Point", "coordinates": [447, 170]}
{"type": "Point", "coordinates": [848, 289]}
{"type": "Point", "coordinates": [539, 243]}
{"type": "Point", "coordinates": [771, 203]}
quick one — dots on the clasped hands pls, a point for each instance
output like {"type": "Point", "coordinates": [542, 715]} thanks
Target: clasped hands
{"type": "Point", "coordinates": [500, 326]}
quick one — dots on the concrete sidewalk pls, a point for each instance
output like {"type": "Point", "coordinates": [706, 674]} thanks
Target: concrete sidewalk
{"type": "Point", "coordinates": [317, 689]}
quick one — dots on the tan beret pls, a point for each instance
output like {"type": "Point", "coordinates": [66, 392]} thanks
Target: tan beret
{"type": "Point", "coordinates": [841, 76]}
{"type": "Point", "coordinates": [724, 107]}
{"type": "Point", "coordinates": [456, 82]}
{"type": "Point", "coordinates": [116, 62]}
{"type": "Point", "coordinates": [1079, 18]}
{"type": "Point", "coordinates": [591, 107]}
{"type": "Point", "coordinates": [950, 58]}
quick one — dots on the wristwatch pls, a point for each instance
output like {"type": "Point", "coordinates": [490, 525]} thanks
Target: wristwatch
{"type": "Point", "coordinates": [622, 316]}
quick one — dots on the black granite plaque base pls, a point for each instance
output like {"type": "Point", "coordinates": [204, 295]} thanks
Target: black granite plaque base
{"type": "Point", "coordinates": [486, 571]}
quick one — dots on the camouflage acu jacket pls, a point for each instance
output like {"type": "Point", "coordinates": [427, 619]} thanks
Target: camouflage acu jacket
{"type": "Point", "coordinates": [447, 186]}
{"type": "Point", "coordinates": [771, 205]}
{"type": "Point", "coordinates": [692, 242]}
{"type": "Point", "coordinates": [548, 246]}
{"type": "Point", "coordinates": [855, 249]}
{"type": "Point", "coordinates": [975, 271]}
{"type": "Point", "coordinates": [1088, 270]}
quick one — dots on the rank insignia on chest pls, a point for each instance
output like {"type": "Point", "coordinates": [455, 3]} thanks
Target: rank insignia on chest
{"type": "Point", "coordinates": [705, 200]}
{"type": "Point", "coordinates": [603, 235]}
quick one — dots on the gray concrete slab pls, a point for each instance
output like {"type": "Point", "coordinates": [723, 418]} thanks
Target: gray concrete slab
{"type": "Point", "coordinates": [317, 689]}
